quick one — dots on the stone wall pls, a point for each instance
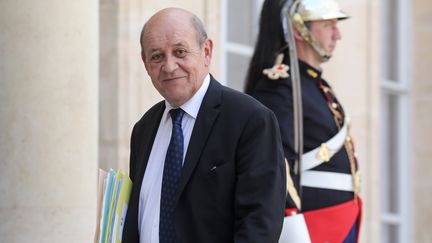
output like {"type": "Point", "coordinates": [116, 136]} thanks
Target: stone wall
{"type": "Point", "coordinates": [48, 120]}
{"type": "Point", "coordinates": [421, 119]}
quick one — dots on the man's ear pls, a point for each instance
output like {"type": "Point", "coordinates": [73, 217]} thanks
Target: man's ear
{"type": "Point", "coordinates": [297, 35]}
{"type": "Point", "coordinates": [208, 49]}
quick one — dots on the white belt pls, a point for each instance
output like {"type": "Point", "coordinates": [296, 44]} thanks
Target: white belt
{"type": "Point", "coordinates": [323, 153]}
{"type": "Point", "coordinates": [327, 180]}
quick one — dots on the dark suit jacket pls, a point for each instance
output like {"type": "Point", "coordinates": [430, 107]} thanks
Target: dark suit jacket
{"type": "Point", "coordinates": [232, 187]}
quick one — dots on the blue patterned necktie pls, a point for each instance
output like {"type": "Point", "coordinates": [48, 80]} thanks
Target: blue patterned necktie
{"type": "Point", "coordinates": [171, 176]}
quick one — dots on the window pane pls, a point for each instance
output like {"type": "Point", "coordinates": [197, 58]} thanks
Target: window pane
{"type": "Point", "coordinates": [237, 66]}
{"type": "Point", "coordinates": [242, 21]}
{"type": "Point", "coordinates": [390, 163]}
{"type": "Point", "coordinates": [391, 41]}
{"type": "Point", "coordinates": [389, 233]}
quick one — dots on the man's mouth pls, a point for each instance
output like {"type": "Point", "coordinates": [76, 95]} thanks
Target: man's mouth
{"type": "Point", "coordinates": [171, 79]}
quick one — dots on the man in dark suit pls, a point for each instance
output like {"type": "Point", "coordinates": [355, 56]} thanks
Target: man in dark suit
{"type": "Point", "coordinates": [225, 180]}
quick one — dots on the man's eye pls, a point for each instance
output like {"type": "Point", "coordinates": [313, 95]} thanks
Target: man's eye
{"type": "Point", "coordinates": [156, 57]}
{"type": "Point", "coordinates": [180, 52]}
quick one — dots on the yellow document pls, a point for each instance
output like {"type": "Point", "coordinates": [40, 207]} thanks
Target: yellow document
{"type": "Point", "coordinates": [121, 209]}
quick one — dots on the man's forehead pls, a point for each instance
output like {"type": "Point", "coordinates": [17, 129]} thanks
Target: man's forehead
{"type": "Point", "coordinates": [163, 41]}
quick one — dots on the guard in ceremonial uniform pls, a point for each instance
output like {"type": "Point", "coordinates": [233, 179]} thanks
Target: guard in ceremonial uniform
{"type": "Point", "coordinates": [295, 38]}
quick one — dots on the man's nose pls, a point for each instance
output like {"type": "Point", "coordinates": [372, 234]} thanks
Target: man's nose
{"type": "Point", "coordinates": [337, 34]}
{"type": "Point", "coordinates": [170, 64]}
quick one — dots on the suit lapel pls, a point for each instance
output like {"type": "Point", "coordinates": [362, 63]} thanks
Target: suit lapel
{"type": "Point", "coordinates": [207, 115]}
{"type": "Point", "coordinates": [148, 140]}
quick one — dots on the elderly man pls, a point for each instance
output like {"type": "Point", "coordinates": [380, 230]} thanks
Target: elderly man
{"type": "Point", "coordinates": [206, 163]}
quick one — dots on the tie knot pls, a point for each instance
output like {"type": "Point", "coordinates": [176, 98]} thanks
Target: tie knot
{"type": "Point", "coordinates": [176, 115]}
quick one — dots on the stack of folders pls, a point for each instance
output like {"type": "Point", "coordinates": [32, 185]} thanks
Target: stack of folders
{"type": "Point", "coordinates": [114, 190]}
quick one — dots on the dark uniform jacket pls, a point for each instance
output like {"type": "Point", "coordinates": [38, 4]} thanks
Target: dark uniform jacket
{"type": "Point", "coordinates": [318, 124]}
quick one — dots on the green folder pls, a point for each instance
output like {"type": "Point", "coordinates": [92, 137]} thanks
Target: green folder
{"type": "Point", "coordinates": [113, 209]}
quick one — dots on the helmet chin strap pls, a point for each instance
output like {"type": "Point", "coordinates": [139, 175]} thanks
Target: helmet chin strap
{"type": "Point", "coordinates": [325, 56]}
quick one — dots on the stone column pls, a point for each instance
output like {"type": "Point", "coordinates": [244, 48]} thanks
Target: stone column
{"type": "Point", "coordinates": [48, 120]}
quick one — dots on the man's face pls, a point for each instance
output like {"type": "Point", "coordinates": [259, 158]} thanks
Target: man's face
{"type": "Point", "coordinates": [175, 61]}
{"type": "Point", "coordinates": [326, 33]}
